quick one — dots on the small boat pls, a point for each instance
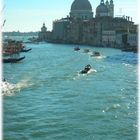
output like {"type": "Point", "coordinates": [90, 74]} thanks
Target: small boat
{"type": "Point", "coordinates": [95, 54]}
{"type": "Point", "coordinates": [26, 50]}
{"type": "Point", "coordinates": [12, 60]}
{"type": "Point", "coordinates": [86, 69]}
{"type": "Point", "coordinates": [77, 49]}
{"type": "Point", "coordinates": [86, 50]}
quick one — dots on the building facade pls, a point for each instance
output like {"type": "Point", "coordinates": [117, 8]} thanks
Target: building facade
{"type": "Point", "coordinates": [81, 27]}
{"type": "Point", "coordinates": [60, 29]}
{"type": "Point", "coordinates": [42, 35]}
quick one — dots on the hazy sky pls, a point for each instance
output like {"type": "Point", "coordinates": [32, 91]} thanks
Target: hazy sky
{"type": "Point", "coordinates": [29, 15]}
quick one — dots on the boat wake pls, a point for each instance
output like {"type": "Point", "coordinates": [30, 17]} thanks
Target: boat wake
{"type": "Point", "coordinates": [91, 70]}
{"type": "Point", "coordinates": [9, 89]}
{"type": "Point", "coordinates": [99, 57]}
{"type": "Point", "coordinates": [79, 74]}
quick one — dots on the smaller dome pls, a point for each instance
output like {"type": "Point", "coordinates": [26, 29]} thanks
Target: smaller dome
{"type": "Point", "coordinates": [102, 8]}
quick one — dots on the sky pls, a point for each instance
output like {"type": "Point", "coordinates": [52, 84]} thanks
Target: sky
{"type": "Point", "coordinates": [29, 15]}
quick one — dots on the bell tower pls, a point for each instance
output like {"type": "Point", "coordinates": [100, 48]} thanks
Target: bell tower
{"type": "Point", "coordinates": [111, 8]}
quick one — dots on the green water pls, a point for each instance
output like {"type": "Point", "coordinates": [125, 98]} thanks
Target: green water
{"type": "Point", "coordinates": [52, 101]}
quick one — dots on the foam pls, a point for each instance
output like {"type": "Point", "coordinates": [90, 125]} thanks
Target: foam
{"type": "Point", "coordinates": [9, 89]}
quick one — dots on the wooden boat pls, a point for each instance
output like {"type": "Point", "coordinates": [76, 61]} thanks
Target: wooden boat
{"type": "Point", "coordinates": [26, 50]}
{"type": "Point", "coordinates": [12, 60]}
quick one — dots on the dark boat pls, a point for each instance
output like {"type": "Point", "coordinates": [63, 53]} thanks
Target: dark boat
{"type": "Point", "coordinates": [77, 49]}
{"type": "Point", "coordinates": [86, 69]}
{"type": "Point", "coordinates": [12, 60]}
{"type": "Point", "coordinates": [95, 54]}
{"type": "Point", "coordinates": [26, 50]}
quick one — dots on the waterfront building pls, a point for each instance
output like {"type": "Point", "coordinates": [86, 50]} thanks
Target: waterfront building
{"type": "Point", "coordinates": [59, 29]}
{"type": "Point", "coordinates": [132, 39]}
{"type": "Point", "coordinates": [129, 39]}
{"type": "Point", "coordinates": [74, 31]}
{"type": "Point", "coordinates": [81, 27]}
{"type": "Point", "coordinates": [90, 29]}
{"type": "Point", "coordinates": [108, 38]}
{"type": "Point", "coordinates": [42, 35]}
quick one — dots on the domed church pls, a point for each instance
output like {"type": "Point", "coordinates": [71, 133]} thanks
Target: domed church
{"type": "Point", "coordinates": [105, 9]}
{"type": "Point", "coordinates": [81, 9]}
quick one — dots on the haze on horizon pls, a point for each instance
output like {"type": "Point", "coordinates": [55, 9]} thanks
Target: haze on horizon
{"type": "Point", "coordinates": [29, 15]}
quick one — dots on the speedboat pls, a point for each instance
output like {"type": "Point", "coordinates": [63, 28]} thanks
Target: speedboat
{"type": "Point", "coordinates": [86, 69]}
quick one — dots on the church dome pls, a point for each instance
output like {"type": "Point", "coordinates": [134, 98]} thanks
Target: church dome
{"type": "Point", "coordinates": [81, 5]}
{"type": "Point", "coordinates": [102, 8]}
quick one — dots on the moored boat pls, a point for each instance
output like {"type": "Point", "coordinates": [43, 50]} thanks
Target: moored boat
{"type": "Point", "coordinates": [12, 60]}
{"type": "Point", "coordinates": [26, 50]}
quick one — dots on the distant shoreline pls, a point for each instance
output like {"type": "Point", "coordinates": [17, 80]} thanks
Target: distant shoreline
{"type": "Point", "coordinates": [17, 33]}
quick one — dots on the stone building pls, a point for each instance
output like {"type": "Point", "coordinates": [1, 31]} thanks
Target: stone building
{"type": "Point", "coordinates": [81, 27]}
{"type": "Point", "coordinates": [59, 30]}
{"type": "Point", "coordinates": [74, 31]}
{"type": "Point", "coordinates": [42, 35]}
{"type": "Point", "coordinates": [108, 38]}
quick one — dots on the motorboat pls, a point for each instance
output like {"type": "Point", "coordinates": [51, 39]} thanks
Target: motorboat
{"type": "Point", "coordinates": [86, 69]}
{"type": "Point", "coordinates": [95, 54]}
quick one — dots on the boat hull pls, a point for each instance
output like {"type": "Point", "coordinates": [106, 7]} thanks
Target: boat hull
{"type": "Point", "coordinates": [26, 50]}
{"type": "Point", "coordinates": [13, 60]}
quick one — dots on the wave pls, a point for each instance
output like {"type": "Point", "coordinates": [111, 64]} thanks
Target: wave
{"type": "Point", "coordinates": [9, 89]}
{"type": "Point", "coordinates": [79, 74]}
{"type": "Point", "coordinates": [127, 58]}
{"type": "Point", "coordinates": [99, 57]}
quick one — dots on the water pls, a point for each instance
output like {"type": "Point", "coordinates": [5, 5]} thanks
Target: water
{"type": "Point", "coordinates": [50, 100]}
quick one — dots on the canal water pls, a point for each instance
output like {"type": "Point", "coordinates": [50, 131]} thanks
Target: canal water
{"type": "Point", "coordinates": [47, 99]}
